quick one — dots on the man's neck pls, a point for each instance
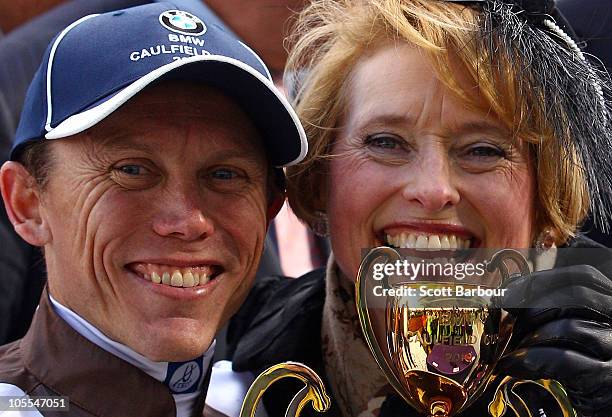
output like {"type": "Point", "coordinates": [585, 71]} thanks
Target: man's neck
{"type": "Point", "coordinates": [185, 380]}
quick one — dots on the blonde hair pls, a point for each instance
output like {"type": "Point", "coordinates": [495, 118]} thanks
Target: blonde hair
{"type": "Point", "coordinates": [330, 36]}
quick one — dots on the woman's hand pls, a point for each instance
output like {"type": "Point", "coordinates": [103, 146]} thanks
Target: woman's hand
{"type": "Point", "coordinates": [563, 331]}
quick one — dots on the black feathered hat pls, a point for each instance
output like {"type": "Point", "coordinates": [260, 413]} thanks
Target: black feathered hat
{"type": "Point", "coordinates": [575, 93]}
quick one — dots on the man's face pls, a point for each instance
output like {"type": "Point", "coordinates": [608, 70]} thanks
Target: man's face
{"type": "Point", "coordinates": [171, 187]}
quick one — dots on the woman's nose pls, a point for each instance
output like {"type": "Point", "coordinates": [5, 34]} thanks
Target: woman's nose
{"type": "Point", "coordinates": [431, 184]}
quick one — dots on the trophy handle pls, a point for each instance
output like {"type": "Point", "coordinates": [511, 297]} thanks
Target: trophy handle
{"type": "Point", "coordinates": [506, 398]}
{"type": "Point", "coordinates": [498, 261]}
{"type": "Point", "coordinates": [364, 315]}
{"type": "Point", "coordinates": [314, 391]}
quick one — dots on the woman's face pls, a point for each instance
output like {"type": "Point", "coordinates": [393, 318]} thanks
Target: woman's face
{"type": "Point", "coordinates": [416, 168]}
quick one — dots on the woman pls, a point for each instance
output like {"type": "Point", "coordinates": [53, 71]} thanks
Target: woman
{"type": "Point", "coordinates": [441, 124]}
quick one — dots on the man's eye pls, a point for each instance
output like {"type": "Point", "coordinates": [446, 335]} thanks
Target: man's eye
{"type": "Point", "coordinates": [132, 169]}
{"type": "Point", "coordinates": [223, 174]}
{"type": "Point", "coordinates": [134, 176]}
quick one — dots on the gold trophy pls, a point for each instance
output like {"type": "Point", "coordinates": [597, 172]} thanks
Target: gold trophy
{"type": "Point", "coordinates": [439, 351]}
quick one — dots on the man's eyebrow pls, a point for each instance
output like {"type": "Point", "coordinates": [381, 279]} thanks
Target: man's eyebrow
{"type": "Point", "coordinates": [250, 157]}
{"type": "Point", "coordinates": [120, 142]}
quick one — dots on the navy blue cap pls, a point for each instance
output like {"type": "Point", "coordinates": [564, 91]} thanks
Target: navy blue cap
{"type": "Point", "coordinates": [100, 61]}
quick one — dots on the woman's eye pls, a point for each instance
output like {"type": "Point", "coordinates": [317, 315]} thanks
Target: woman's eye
{"type": "Point", "coordinates": [387, 148]}
{"type": "Point", "coordinates": [383, 141]}
{"type": "Point", "coordinates": [486, 152]}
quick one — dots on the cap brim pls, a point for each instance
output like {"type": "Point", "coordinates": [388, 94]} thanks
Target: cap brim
{"type": "Point", "coordinates": [282, 134]}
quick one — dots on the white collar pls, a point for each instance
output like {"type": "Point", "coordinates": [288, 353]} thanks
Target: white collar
{"type": "Point", "coordinates": [165, 372]}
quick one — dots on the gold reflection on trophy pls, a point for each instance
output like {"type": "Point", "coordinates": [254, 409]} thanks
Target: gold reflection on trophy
{"type": "Point", "coordinates": [442, 355]}
{"type": "Point", "coordinates": [437, 349]}
{"type": "Point", "coordinates": [313, 391]}
{"type": "Point", "coordinates": [437, 352]}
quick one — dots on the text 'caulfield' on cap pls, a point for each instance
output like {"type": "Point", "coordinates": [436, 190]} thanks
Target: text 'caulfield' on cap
{"type": "Point", "coordinates": [100, 61]}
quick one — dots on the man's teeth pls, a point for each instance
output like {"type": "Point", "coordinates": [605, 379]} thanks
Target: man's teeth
{"type": "Point", "coordinates": [178, 278]}
{"type": "Point", "coordinates": [417, 241]}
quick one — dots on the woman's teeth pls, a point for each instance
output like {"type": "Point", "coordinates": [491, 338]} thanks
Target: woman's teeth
{"type": "Point", "coordinates": [417, 241]}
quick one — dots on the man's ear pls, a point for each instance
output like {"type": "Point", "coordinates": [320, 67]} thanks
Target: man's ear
{"type": "Point", "coordinates": [21, 195]}
{"type": "Point", "coordinates": [274, 206]}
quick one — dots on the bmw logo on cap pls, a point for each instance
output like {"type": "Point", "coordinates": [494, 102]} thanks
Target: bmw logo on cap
{"type": "Point", "coordinates": [182, 22]}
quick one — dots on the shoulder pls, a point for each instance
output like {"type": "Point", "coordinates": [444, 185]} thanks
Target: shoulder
{"type": "Point", "coordinates": [12, 368]}
{"type": "Point", "coordinates": [281, 318]}
{"type": "Point", "coordinates": [15, 373]}
{"type": "Point", "coordinates": [270, 287]}
{"type": "Point", "coordinates": [581, 241]}
{"type": "Point", "coordinates": [271, 294]}
{"type": "Point", "coordinates": [10, 392]}
{"type": "Point", "coordinates": [583, 251]}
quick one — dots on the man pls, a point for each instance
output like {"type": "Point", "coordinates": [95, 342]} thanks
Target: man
{"type": "Point", "coordinates": [21, 51]}
{"type": "Point", "coordinates": [146, 165]}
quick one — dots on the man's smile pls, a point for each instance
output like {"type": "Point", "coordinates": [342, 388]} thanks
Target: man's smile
{"type": "Point", "coordinates": [175, 275]}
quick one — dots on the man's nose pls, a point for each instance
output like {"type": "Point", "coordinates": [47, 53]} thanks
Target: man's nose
{"type": "Point", "coordinates": [431, 184]}
{"type": "Point", "coordinates": [182, 217]}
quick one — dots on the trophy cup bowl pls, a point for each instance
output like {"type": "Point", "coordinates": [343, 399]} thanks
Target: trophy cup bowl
{"type": "Point", "coordinates": [438, 352]}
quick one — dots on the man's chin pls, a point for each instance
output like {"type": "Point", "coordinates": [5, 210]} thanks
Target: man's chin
{"type": "Point", "coordinates": [177, 353]}
{"type": "Point", "coordinates": [174, 347]}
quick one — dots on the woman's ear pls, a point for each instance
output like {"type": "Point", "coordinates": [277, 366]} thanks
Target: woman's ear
{"type": "Point", "coordinates": [21, 195]}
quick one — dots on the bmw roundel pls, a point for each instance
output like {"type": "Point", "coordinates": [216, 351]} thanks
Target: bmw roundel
{"type": "Point", "coordinates": [182, 22]}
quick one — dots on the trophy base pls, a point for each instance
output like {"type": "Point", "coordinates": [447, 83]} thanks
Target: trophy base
{"type": "Point", "coordinates": [440, 407]}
